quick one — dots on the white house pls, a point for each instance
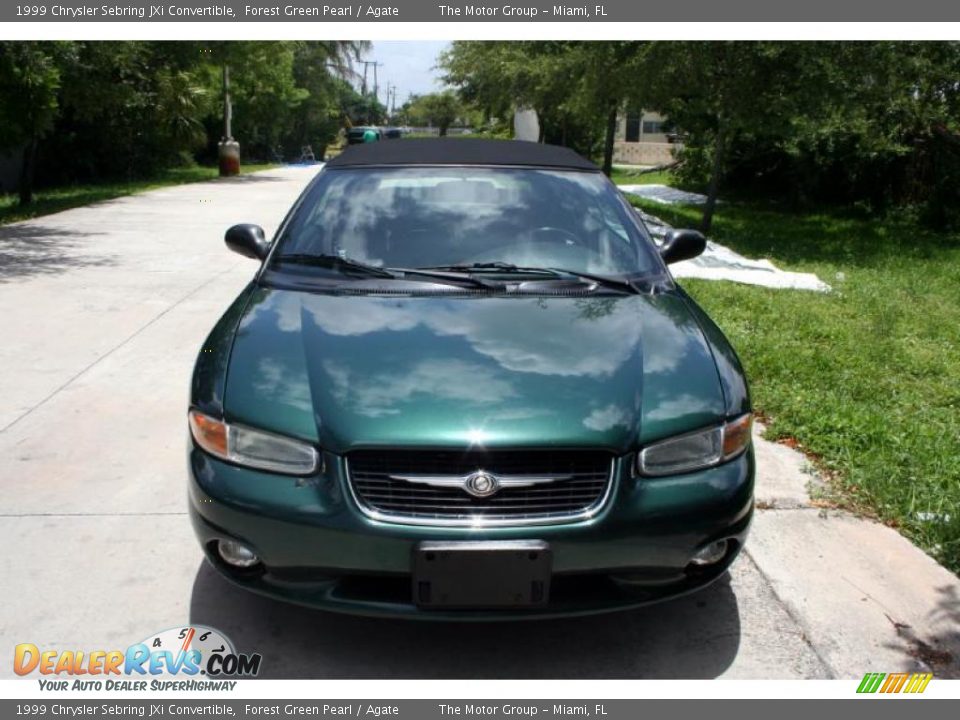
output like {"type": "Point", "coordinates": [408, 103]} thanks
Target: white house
{"type": "Point", "coordinates": [641, 139]}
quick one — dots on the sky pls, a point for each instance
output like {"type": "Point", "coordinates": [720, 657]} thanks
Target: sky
{"type": "Point", "coordinates": [409, 65]}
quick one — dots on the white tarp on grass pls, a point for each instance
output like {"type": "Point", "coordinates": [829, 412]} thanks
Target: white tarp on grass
{"type": "Point", "coordinates": [719, 262]}
{"type": "Point", "coordinates": [665, 194]}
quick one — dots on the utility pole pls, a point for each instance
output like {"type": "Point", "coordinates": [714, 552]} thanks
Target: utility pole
{"type": "Point", "coordinates": [363, 90]}
{"type": "Point", "coordinates": [367, 64]}
{"type": "Point", "coordinates": [227, 105]}
{"type": "Point", "coordinates": [228, 149]}
{"type": "Point", "coordinates": [391, 102]}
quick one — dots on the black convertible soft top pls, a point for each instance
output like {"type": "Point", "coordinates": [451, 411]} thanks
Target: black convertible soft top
{"type": "Point", "coordinates": [460, 151]}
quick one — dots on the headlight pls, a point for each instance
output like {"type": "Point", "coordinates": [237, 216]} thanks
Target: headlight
{"type": "Point", "coordinates": [253, 448]}
{"type": "Point", "coordinates": [696, 450]}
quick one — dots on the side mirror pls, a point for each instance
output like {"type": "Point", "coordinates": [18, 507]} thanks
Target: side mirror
{"type": "Point", "coordinates": [682, 245]}
{"type": "Point", "coordinates": [247, 240]}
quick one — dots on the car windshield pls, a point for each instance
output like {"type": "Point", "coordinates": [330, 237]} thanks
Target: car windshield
{"type": "Point", "coordinates": [455, 216]}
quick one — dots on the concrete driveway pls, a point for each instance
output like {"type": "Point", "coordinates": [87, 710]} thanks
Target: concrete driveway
{"type": "Point", "coordinates": [104, 309]}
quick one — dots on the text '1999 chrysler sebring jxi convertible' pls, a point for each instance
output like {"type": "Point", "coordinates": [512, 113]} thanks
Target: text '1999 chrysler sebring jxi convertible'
{"type": "Point", "coordinates": [464, 385]}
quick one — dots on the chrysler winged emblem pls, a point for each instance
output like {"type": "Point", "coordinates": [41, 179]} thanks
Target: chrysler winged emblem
{"type": "Point", "coordinates": [480, 483]}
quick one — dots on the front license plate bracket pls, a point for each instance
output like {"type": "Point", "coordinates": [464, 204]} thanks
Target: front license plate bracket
{"type": "Point", "coordinates": [482, 574]}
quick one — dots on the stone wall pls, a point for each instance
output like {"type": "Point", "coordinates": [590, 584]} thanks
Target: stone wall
{"type": "Point", "coordinates": [642, 153]}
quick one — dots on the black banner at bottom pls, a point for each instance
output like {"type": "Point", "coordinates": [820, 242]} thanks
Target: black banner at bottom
{"type": "Point", "coordinates": [874, 707]}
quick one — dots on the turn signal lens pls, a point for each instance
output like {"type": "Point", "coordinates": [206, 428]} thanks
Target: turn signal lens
{"type": "Point", "coordinates": [736, 436]}
{"type": "Point", "coordinates": [210, 434]}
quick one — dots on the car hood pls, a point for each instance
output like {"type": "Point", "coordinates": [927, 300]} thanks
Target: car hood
{"type": "Point", "coordinates": [362, 371]}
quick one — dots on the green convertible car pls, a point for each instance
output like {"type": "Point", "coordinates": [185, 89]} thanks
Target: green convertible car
{"type": "Point", "coordinates": [463, 384]}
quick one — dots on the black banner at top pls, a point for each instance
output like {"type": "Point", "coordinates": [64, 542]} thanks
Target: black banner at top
{"type": "Point", "coordinates": [532, 11]}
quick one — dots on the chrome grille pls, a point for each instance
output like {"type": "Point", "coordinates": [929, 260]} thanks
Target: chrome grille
{"type": "Point", "coordinates": [582, 484]}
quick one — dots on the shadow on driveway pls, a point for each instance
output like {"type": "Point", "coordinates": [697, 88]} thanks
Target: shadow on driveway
{"type": "Point", "coordinates": [693, 637]}
{"type": "Point", "coordinates": [33, 249]}
{"type": "Point", "coordinates": [257, 177]}
{"type": "Point", "coordinates": [941, 651]}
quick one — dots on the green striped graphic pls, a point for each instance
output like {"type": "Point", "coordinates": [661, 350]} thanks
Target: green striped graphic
{"type": "Point", "coordinates": [871, 682]}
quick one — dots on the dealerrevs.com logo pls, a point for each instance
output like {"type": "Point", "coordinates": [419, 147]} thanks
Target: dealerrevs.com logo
{"type": "Point", "coordinates": [174, 659]}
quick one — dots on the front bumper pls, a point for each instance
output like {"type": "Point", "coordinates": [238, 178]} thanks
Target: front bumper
{"type": "Point", "coordinates": [318, 549]}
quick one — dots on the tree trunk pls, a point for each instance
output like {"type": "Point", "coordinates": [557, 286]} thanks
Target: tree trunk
{"type": "Point", "coordinates": [608, 141]}
{"type": "Point", "coordinates": [27, 171]}
{"type": "Point", "coordinates": [719, 158]}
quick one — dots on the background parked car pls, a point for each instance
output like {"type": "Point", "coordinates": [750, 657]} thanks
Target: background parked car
{"type": "Point", "coordinates": [355, 134]}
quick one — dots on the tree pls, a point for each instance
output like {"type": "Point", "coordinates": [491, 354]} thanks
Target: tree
{"type": "Point", "coordinates": [263, 91]}
{"type": "Point", "coordinates": [30, 76]}
{"type": "Point", "coordinates": [284, 89]}
{"type": "Point", "coordinates": [444, 109]}
{"type": "Point", "coordinates": [129, 109]}
{"type": "Point", "coordinates": [607, 82]}
{"type": "Point", "coordinates": [502, 77]}
{"type": "Point", "coordinates": [440, 110]}
{"type": "Point", "coordinates": [322, 69]}
{"type": "Point", "coordinates": [361, 109]}
{"type": "Point", "coordinates": [885, 113]}
{"type": "Point", "coordinates": [872, 123]}
{"type": "Point", "coordinates": [718, 91]}
{"type": "Point", "coordinates": [862, 122]}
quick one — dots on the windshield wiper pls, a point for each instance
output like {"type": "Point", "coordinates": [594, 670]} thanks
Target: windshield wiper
{"type": "Point", "coordinates": [505, 267]}
{"type": "Point", "coordinates": [624, 285]}
{"type": "Point", "coordinates": [343, 263]}
{"type": "Point", "coordinates": [494, 267]}
{"type": "Point", "coordinates": [452, 278]}
{"type": "Point", "coordinates": [335, 262]}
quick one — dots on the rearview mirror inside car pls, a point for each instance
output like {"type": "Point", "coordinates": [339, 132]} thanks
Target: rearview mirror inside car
{"type": "Point", "coordinates": [682, 245]}
{"type": "Point", "coordinates": [248, 240]}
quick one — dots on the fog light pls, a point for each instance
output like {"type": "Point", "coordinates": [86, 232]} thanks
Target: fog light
{"type": "Point", "coordinates": [712, 553]}
{"type": "Point", "coordinates": [236, 554]}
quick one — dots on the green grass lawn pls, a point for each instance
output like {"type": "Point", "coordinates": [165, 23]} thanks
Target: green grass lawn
{"type": "Point", "coordinates": [53, 200]}
{"type": "Point", "coordinates": [866, 378]}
